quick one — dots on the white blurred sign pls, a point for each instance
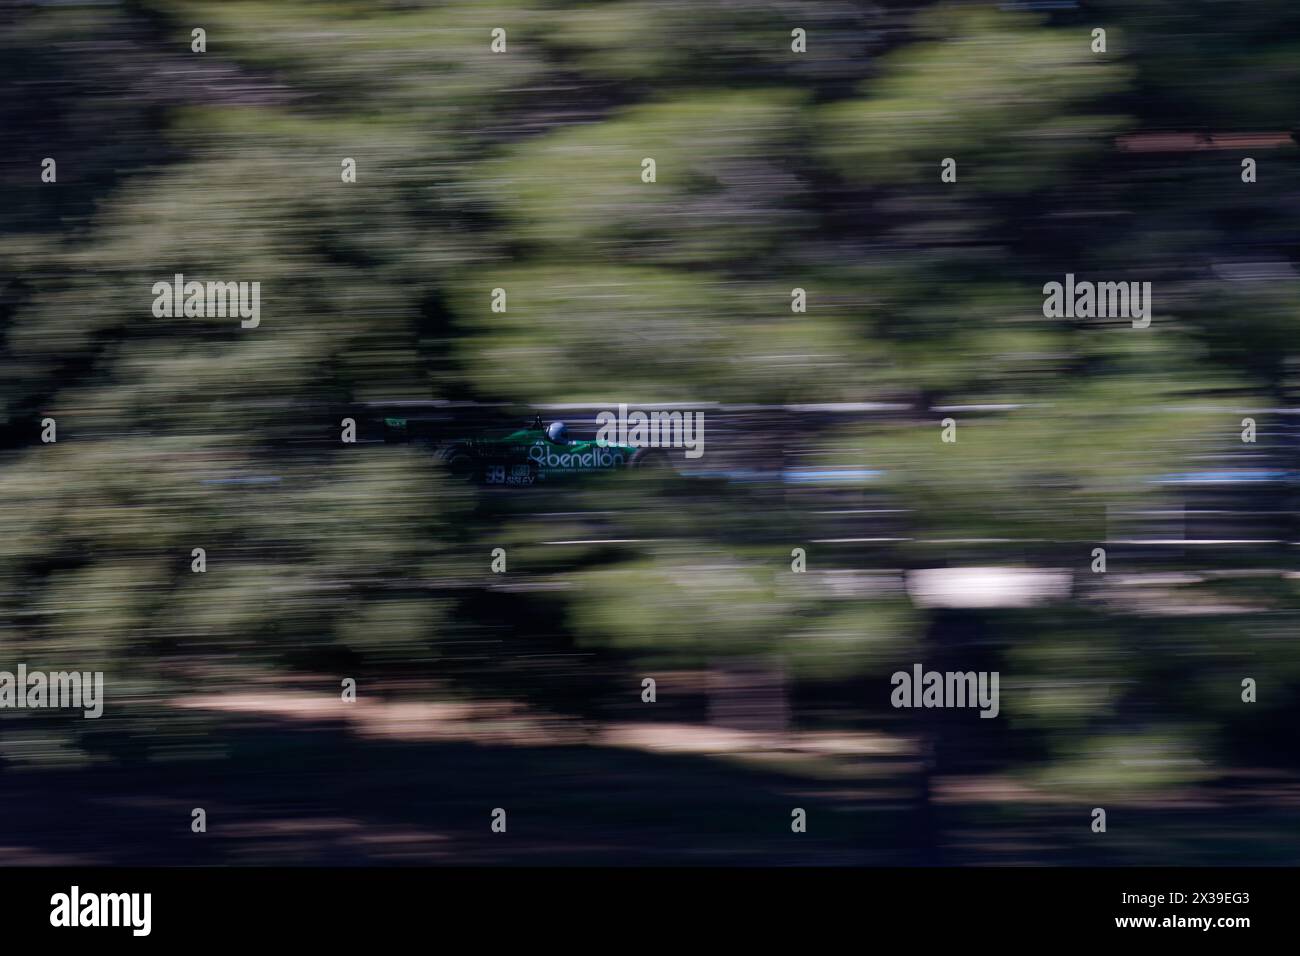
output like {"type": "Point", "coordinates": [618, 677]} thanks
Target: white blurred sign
{"type": "Point", "coordinates": [988, 587]}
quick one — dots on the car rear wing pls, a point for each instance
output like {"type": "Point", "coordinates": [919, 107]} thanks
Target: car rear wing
{"type": "Point", "coordinates": [397, 430]}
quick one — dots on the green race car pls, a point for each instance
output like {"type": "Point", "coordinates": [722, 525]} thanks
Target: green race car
{"type": "Point", "coordinates": [535, 454]}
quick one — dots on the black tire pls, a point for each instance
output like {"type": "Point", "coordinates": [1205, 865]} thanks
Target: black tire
{"type": "Point", "coordinates": [652, 460]}
{"type": "Point", "coordinates": [459, 462]}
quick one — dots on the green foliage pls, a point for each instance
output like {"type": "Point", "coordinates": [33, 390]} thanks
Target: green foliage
{"type": "Point", "coordinates": [522, 170]}
{"type": "Point", "coordinates": [1002, 94]}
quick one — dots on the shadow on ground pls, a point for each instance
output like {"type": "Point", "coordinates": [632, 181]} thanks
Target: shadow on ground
{"type": "Point", "coordinates": [289, 793]}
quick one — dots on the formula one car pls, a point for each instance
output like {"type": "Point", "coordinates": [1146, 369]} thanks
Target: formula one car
{"type": "Point", "coordinates": [536, 453]}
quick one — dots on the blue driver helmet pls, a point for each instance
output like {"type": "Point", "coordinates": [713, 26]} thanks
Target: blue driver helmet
{"type": "Point", "coordinates": [557, 432]}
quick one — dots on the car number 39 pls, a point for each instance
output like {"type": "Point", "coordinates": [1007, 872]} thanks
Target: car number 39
{"type": "Point", "coordinates": [519, 475]}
